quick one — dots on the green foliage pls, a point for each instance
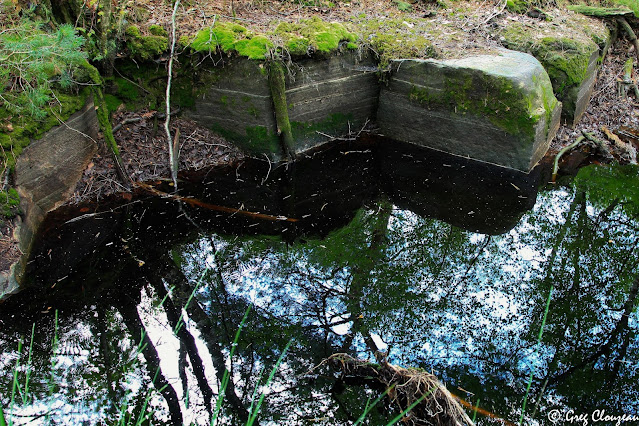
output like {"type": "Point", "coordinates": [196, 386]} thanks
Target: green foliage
{"type": "Point", "coordinates": [605, 184]}
{"type": "Point", "coordinates": [9, 203]}
{"type": "Point", "coordinates": [34, 63]}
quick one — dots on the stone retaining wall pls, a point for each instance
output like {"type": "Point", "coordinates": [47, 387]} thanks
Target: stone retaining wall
{"type": "Point", "coordinates": [497, 108]}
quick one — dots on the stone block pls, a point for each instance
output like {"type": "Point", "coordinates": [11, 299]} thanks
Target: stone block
{"type": "Point", "coordinates": [576, 99]}
{"type": "Point", "coordinates": [48, 171]}
{"type": "Point", "coordinates": [569, 50]}
{"type": "Point", "coordinates": [497, 108]}
{"type": "Point", "coordinates": [235, 101]}
{"type": "Point", "coordinates": [333, 96]}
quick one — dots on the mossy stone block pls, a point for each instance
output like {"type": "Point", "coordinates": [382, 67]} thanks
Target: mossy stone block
{"type": "Point", "coordinates": [498, 108]}
{"type": "Point", "coordinates": [48, 171]}
{"type": "Point", "coordinates": [568, 50]}
{"type": "Point", "coordinates": [330, 97]}
{"type": "Point", "coordinates": [236, 102]}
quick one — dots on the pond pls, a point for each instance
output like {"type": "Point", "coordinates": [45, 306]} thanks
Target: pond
{"type": "Point", "coordinates": [316, 275]}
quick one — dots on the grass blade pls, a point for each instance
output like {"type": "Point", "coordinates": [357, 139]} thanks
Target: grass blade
{"type": "Point", "coordinates": [254, 396]}
{"type": "Point", "coordinates": [28, 372]}
{"type": "Point", "coordinates": [475, 410]}
{"type": "Point", "coordinates": [3, 422]}
{"type": "Point", "coordinates": [410, 407]}
{"type": "Point", "coordinates": [532, 371]}
{"type": "Point", "coordinates": [227, 373]}
{"type": "Point", "coordinates": [270, 379]}
{"type": "Point", "coordinates": [15, 385]}
{"type": "Point", "coordinates": [369, 407]}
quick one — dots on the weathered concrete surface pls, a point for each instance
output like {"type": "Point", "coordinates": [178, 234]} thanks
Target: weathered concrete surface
{"type": "Point", "coordinates": [498, 109]}
{"type": "Point", "coordinates": [46, 175]}
{"type": "Point", "coordinates": [334, 96]}
{"type": "Point", "coordinates": [236, 102]}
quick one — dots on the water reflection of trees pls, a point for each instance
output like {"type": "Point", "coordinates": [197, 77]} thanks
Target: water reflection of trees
{"type": "Point", "coordinates": [391, 286]}
{"type": "Point", "coordinates": [470, 306]}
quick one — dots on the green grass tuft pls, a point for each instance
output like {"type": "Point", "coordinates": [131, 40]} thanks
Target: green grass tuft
{"type": "Point", "coordinates": [9, 203]}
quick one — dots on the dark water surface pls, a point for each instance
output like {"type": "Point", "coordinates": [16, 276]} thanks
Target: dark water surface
{"type": "Point", "coordinates": [438, 263]}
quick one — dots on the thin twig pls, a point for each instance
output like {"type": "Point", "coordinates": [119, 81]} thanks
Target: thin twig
{"type": "Point", "coordinates": [269, 169]}
{"type": "Point", "coordinates": [171, 146]}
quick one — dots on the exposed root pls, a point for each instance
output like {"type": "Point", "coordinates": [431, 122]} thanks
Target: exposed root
{"type": "Point", "coordinates": [408, 385]}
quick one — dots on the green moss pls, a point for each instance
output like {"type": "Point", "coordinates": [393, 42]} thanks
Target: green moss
{"type": "Point", "coordinates": [494, 98]}
{"type": "Point", "coordinates": [335, 124]}
{"type": "Point", "coordinates": [227, 37]}
{"type": "Point", "coordinates": [157, 30]}
{"type": "Point", "coordinates": [253, 111]}
{"type": "Point", "coordinates": [313, 35]}
{"type": "Point", "coordinates": [259, 140]}
{"type": "Point", "coordinates": [112, 102]}
{"type": "Point", "coordinates": [631, 4]}
{"type": "Point", "coordinates": [145, 85]}
{"type": "Point", "coordinates": [223, 35]}
{"type": "Point", "coordinates": [145, 47]}
{"type": "Point", "coordinates": [517, 6]}
{"type": "Point", "coordinates": [298, 39]}
{"type": "Point", "coordinates": [277, 84]}
{"type": "Point", "coordinates": [126, 89]}
{"type": "Point", "coordinates": [25, 128]}
{"type": "Point", "coordinates": [565, 59]}
{"type": "Point", "coordinates": [254, 48]}
{"type": "Point", "coordinates": [403, 6]}
{"type": "Point", "coordinates": [9, 203]}
{"type": "Point", "coordinates": [403, 38]}
{"type": "Point", "coordinates": [254, 139]}
{"type": "Point", "coordinates": [297, 45]}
